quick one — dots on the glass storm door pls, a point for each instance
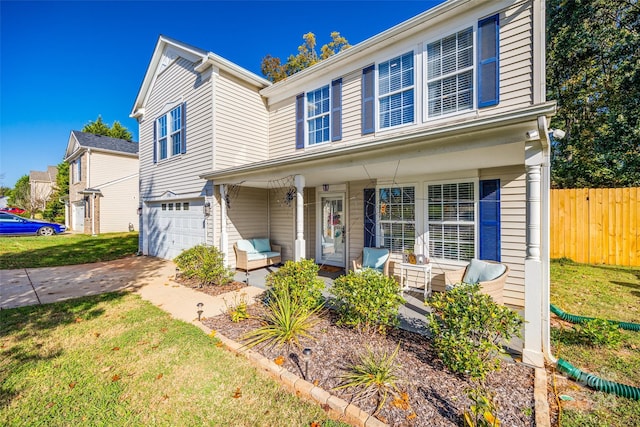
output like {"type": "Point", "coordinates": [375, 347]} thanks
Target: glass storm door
{"type": "Point", "coordinates": [332, 239]}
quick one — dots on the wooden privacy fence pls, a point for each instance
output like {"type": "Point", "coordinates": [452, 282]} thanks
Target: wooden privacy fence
{"type": "Point", "coordinates": [596, 225]}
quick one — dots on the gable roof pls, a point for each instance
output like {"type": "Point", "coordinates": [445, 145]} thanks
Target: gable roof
{"type": "Point", "coordinates": [44, 176]}
{"type": "Point", "coordinates": [202, 58]}
{"type": "Point", "coordinates": [79, 140]}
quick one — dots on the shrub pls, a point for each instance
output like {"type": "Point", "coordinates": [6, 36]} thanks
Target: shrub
{"type": "Point", "coordinates": [468, 329]}
{"type": "Point", "coordinates": [204, 263]}
{"type": "Point", "coordinates": [599, 332]}
{"type": "Point", "coordinates": [285, 323]}
{"type": "Point", "coordinates": [367, 299]}
{"type": "Point", "coordinates": [300, 281]}
{"type": "Point", "coordinates": [238, 310]}
{"type": "Point", "coordinates": [482, 412]}
{"type": "Point", "coordinates": [373, 374]}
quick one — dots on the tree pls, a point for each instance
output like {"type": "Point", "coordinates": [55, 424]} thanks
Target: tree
{"type": "Point", "coordinates": [21, 194]}
{"type": "Point", "coordinates": [274, 70]}
{"type": "Point", "coordinates": [55, 207]}
{"type": "Point", "coordinates": [101, 128]}
{"type": "Point", "coordinates": [594, 74]}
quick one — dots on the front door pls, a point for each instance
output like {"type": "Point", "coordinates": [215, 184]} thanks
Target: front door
{"type": "Point", "coordinates": [332, 240]}
{"type": "Point", "coordinates": [78, 216]}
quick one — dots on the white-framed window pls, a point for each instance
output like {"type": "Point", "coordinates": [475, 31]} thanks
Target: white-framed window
{"type": "Point", "coordinates": [450, 74]}
{"type": "Point", "coordinates": [451, 220]}
{"type": "Point", "coordinates": [318, 115]}
{"type": "Point", "coordinates": [185, 206]}
{"type": "Point", "coordinates": [396, 99]}
{"type": "Point", "coordinates": [169, 129]}
{"type": "Point", "coordinates": [76, 170]}
{"type": "Point", "coordinates": [397, 217]}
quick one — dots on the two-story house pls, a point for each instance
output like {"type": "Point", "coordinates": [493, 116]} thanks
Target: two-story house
{"type": "Point", "coordinates": [431, 136]}
{"type": "Point", "coordinates": [103, 184]}
{"type": "Point", "coordinates": [42, 185]}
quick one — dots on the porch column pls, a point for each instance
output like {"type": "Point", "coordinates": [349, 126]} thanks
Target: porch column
{"type": "Point", "coordinates": [224, 236]}
{"type": "Point", "coordinates": [299, 252]}
{"type": "Point", "coordinates": [533, 268]}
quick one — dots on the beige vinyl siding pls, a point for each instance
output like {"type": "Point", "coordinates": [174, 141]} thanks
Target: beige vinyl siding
{"type": "Point", "coordinates": [118, 205]}
{"type": "Point", "coordinates": [282, 129]}
{"type": "Point", "coordinates": [310, 225]}
{"type": "Point", "coordinates": [178, 174]}
{"type": "Point", "coordinates": [516, 60]}
{"type": "Point", "coordinates": [352, 106]}
{"type": "Point", "coordinates": [282, 219]}
{"type": "Point", "coordinates": [356, 219]}
{"type": "Point", "coordinates": [512, 227]}
{"type": "Point", "coordinates": [247, 218]}
{"type": "Point", "coordinates": [107, 168]}
{"type": "Point", "coordinates": [241, 128]}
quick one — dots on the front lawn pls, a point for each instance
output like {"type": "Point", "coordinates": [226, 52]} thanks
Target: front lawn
{"type": "Point", "coordinates": [608, 292]}
{"type": "Point", "coordinates": [117, 360]}
{"type": "Point", "coordinates": [64, 249]}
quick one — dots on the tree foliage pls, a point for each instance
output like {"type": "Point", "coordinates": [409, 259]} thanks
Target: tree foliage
{"type": "Point", "coordinates": [101, 128]}
{"type": "Point", "coordinates": [21, 194]}
{"type": "Point", "coordinates": [593, 71]}
{"type": "Point", "coordinates": [274, 70]}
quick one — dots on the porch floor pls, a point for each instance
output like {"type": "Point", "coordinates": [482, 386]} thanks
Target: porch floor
{"type": "Point", "coordinates": [412, 313]}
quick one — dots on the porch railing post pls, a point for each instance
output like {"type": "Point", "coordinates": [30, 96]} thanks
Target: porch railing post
{"type": "Point", "coordinates": [300, 245]}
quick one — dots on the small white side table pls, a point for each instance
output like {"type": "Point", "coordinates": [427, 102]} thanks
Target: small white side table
{"type": "Point", "coordinates": [426, 271]}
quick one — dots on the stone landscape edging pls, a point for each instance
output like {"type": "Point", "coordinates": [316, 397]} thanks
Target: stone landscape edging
{"type": "Point", "coordinates": [337, 408]}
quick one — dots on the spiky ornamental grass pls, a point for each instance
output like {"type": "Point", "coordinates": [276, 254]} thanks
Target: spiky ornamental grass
{"type": "Point", "coordinates": [373, 374]}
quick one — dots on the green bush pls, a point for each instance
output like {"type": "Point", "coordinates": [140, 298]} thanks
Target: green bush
{"type": "Point", "coordinates": [599, 332]}
{"type": "Point", "coordinates": [204, 263]}
{"type": "Point", "coordinates": [300, 280]}
{"type": "Point", "coordinates": [468, 329]}
{"type": "Point", "coordinates": [367, 299]}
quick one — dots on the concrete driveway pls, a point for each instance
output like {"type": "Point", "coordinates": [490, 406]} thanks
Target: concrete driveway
{"type": "Point", "coordinates": [32, 286]}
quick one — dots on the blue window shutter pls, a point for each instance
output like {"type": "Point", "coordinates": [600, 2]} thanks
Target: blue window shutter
{"type": "Point", "coordinates": [183, 137]}
{"type": "Point", "coordinates": [489, 61]}
{"type": "Point", "coordinates": [369, 217]}
{"type": "Point", "coordinates": [155, 141]}
{"type": "Point", "coordinates": [368, 100]}
{"type": "Point", "coordinates": [489, 219]}
{"type": "Point", "coordinates": [300, 121]}
{"type": "Point", "coordinates": [336, 110]}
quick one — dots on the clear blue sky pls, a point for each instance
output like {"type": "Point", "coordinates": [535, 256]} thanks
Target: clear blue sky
{"type": "Point", "coordinates": [64, 63]}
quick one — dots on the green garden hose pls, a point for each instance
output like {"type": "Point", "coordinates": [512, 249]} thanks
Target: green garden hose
{"type": "Point", "coordinates": [597, 383]}
{"type": "Point", "coordinates": [581, 319]}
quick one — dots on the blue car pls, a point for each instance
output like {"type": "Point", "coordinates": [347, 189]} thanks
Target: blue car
{"type": "Point", "coordinates": [13, 225]}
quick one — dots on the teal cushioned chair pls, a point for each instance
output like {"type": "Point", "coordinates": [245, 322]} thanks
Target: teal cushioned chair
{"type": "Point", "coordinates": [375, 258]}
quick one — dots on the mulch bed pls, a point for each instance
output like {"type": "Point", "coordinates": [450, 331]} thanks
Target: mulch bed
{"type": "Point", "coordinates": [436, 397]}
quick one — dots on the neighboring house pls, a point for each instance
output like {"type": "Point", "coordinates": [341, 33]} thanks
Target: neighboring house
{"type": "Point", "coordinates": [103, 184]}
{"type": "Point", "coordinates": [42, 184]}
{"type": "Point", "coordinates": [431, 136]}
{"type": "Point", "coordinates": [4, 202]}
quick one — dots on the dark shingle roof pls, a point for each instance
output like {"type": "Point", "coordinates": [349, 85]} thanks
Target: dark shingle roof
{"type": "Point", "coordinates": [90, 140]}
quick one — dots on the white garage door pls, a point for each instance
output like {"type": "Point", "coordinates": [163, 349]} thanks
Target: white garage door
{"type": "Point", "coordinates": [174, 226]}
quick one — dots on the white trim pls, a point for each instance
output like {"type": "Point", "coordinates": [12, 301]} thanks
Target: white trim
{"type": "Point", "coordinates": [342, 194]}
{"type": "Point", "coordinates": [306, 118]}
{"type": "Point", "coordinates": [377, 95]}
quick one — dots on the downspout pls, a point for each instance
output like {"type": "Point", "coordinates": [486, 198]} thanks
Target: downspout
{"type": "Point", "coordinates": [545, 231]}
{"type": "Point", "coordinates": [93, 215]}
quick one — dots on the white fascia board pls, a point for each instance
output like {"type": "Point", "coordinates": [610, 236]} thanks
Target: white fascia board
{"type": "Point", "coordinates": [69, 153]}
{"type": "Point", "coordinates": [433, 133]}
{"type": "Point", "coordinates": [190, 52]}
{"type": "Point", "coordinates": [365, 52]}
{"type": "Point", "coordinates": [224, 64]}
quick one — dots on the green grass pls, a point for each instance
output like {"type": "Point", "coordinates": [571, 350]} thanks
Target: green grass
{"type": "Point", "coordinates": [117, 360]}
{"type": "Point", "coordinates": [609, 292]}
{"type": "Point", "coordinates": [64, 249]}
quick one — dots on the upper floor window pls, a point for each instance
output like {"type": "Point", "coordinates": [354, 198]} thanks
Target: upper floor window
{"type": "Point", "coordinates": [450, 74]}
{"type": "Point", "coordinates": [320, 120]}
{"type": "Point", "coordinates": [318, 116]}
{"type": "Point", "coordinates": [396, 91]}
{"type": "Point", "coordinates": [169, 133]}
{"type": "Point", "coordinates": [76, 170]}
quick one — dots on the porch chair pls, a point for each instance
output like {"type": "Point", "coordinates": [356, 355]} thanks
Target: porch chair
{"type": "Point", "coordinates": [491, 276]}
{"type": "Point", "coordinates": [375, 258]}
